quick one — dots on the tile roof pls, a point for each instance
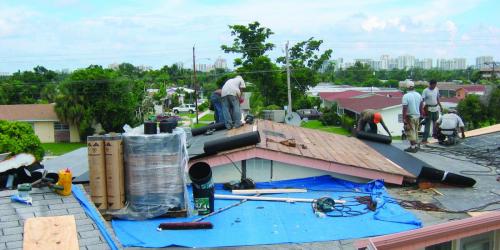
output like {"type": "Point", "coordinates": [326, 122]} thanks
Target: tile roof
{"type": "Point", "coordinates": [333, 96]}
{"type": "Point", "coordinates": [28, 112]}
{"type": "Point", "coordinates": [372, 102]}
{"type": "Point", "coordinates": [468, 87]}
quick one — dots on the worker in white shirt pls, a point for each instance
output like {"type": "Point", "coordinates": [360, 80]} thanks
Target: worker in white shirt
{"type": "Point", "coordinates": [231, 99]}
{"type": "Point", "coordinates": [431, 109]}
{"type": "Point", "coordinates": [448, 124]}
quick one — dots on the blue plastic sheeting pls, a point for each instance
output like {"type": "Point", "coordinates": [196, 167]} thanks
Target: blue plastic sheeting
{"type": "Point", "coordinates": [267, 222]}
{"type": "Point", "coordinates": [94, 215]}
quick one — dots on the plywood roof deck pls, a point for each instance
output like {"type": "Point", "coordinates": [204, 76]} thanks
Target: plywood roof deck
{"type": "Point", "coordinates": [315, 149]}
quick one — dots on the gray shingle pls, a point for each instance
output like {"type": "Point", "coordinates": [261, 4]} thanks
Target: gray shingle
{"type": "Point", "coordinates": [5, 212]}
{"type": "Point", "coordinates": [47, 202]}
{"type": "Point", "coordinates": [9, 218]}
{"type": "Point", "coordinates": [12, 237]}
{"type": "Point", "coordinates": [14, 244]}
{"type": "Point", "coordinates": [89, 241]}
{"type": "Point", "coordinates": [65, 205]}
{"type": "Point", "coordinates": [84, 228]}
{"type": "Point", "coordinates": [9, 224]}
{"type": "Point", "coordinates": [90, 234]}
{"type": "Point", "coordinates": [84, 221]}
{"type": "Point", "coordinates": [98, 247]}
{"type": "Point", "coordinates": [3, 246]}
{"type": "Point", "coordinates": [32, 209]}
{"type": "Point", "coordinates": [13, 230]}
{"type": "Point", "coordinates": [76, 210]}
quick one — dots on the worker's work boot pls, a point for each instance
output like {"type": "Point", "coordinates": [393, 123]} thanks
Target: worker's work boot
{"type": "Point", "coordinates": [411, 150]}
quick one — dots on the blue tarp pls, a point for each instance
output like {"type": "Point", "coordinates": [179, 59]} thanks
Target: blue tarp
{"type": "Point", "coordinates": [264, 222]}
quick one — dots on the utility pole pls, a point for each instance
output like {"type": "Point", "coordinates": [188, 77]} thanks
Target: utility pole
{"type": "Point", "coordinates": [289, 110]}
{"type": "Point", "coordinates": [195, 87]}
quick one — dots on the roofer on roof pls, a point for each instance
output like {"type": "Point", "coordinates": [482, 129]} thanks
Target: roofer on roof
{"type": "Point", "coordinates": [432, 106]}
{"type": "Point", "coordinates": [448, 125]}
{"type": "Point", "coordinates": [412, 110]}
{"type": "Point", "coordinates": [369, 120]}
{"type": "Point", "coordinates": [231, 99]}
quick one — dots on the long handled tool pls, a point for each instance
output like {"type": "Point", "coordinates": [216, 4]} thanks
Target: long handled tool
{"type": "Point", "coordinates": [197, 224]}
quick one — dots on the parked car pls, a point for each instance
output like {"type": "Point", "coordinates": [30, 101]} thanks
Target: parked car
{"type": "Point", "coordinates": [185, 108]}
{"type": "Point", "coordinates": [311, 114]}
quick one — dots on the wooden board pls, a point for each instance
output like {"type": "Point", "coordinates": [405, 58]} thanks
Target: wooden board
{"type": "Point", "coordinates": [50, 233]}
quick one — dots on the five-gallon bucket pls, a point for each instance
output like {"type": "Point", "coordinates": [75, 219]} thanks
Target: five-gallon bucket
{"type": "Point", "coordinates": [203, 187]}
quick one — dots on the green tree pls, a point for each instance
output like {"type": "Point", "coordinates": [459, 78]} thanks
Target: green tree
{"type": "Point", "coordinates": [255, 66]}
{"type": "Point", "coordinates": [19, 137]}
{"type": "Point", "coordinates": [472, 111]}
{"type": "Point", "coordinates": [494, 105]}
{"type": "Point", "coordinates": [49, 93]}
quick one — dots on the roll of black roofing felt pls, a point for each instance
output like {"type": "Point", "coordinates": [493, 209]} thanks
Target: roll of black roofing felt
{"type": "Point", "coordinates": [202, 130]}
{"type": "Point", "coordinates": [228, 143]}
{"type": "Point", "coordinates": [374, 137]}
{"type": "Point", "coordinates": [453, 179]}
{"type": "Point", "coordinates": [150, 128]}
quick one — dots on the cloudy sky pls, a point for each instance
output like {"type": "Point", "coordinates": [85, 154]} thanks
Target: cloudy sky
{"type": "Point", "coordinates": [69, 34]}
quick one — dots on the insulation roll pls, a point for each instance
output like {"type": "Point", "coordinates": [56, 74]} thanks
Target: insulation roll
{"type": "Point", "coordinates": [237, 141]}
{"type": "Point", "coordinates": [97, 171]}
{"type": "Point", "coordinates": [113, 148]}
{"type": "Point", "coordinates": [448, 178]}
{"type": "Point", "coordinates": [374, 137]}
{"type": "Point", "coordinates": [202, 130]}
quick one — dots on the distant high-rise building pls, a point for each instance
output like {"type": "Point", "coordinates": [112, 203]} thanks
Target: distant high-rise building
{"type": "Point", "coordinates": [220, 63]}
{"type": "Point", "coordinates": [204, 67]}
{"type": "Point", "coordinates": [443, 64]}
{"type": "Point", "coordinates": [406, 62]}
{"type": "Point", "coordinates": [459, 64]}
{"type": "Point", "coordinates": [384, 62]}
{"type": "Point", "coordinates": [427, 63]}
{"type": "Point", "coordinates": [481, 62]}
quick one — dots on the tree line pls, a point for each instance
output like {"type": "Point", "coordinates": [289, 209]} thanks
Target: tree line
{"type": "Point", "coordinates": [114, 97]}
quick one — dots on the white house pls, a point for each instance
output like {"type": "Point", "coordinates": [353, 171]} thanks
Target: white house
{"type": "Point", "coordinates": [390, 108]}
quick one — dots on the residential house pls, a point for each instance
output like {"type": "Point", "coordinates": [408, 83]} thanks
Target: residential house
{"type": "Point", "coordinates": [390, 108]}
{"type": "Point", "coordinates": [44, 120]}
{"type": "Point", "coordinates": [461, 91]}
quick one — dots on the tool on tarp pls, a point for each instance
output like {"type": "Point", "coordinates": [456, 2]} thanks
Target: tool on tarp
{"type": "Point", "coordinates": [197, 223]}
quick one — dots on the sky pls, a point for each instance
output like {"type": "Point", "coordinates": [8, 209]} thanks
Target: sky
{"type": "Point", "coordinates": [71, 34]}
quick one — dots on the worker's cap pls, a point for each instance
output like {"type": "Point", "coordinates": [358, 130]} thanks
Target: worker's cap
{"type": "Point", "coordinates": [452, 111]}
{"type": "Point", "coordinates": [377, 117]}
{"type": "Point", "coordinates": [410, 84]}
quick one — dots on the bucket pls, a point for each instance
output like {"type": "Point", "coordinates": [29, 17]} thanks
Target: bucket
{"type": "Point", "coordinates": [167, 126]}
{"type": "Point", "coordinates": [150, 128]}
{"type": "Point", "coordinates": [203, 188]}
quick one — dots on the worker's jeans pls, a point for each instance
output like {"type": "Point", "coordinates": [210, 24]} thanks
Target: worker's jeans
{"type": "Point", "coordinates": [231, 110]}
{"type": "Point", "coordinates": [218, 110]}
{"type": "Point", "coordinates": [432, 117]}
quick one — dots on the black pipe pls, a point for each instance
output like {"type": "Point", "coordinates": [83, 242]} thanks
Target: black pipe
{"type": "Point", "coordinates": [448, 178]}
{"type": "Point", "coordinates": [202, 130]}
{"type": "Point", "coordinates": [374, 137]}
{"type": "Point", "coordinates": [228, 143]}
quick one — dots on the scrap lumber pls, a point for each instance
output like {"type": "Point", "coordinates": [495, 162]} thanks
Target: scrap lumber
{"type": "Point", "coordinates": [270, 191]}
{"type": "Point", "coordinates": [261, 198]}
{"type": "Point", "coordinates": [57, 232]}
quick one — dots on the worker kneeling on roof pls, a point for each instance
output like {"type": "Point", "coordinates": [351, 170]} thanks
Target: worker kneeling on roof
{"type": "Point", "coordinates": [448, 124]}
{"type": "Point", "coordinates": [369, 120]}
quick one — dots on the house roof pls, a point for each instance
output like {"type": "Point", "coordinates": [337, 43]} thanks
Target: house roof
{"type": "Point", "coordinates": [315, 149]}
{"type": "Point", "coordinates": [28, 112]}
{"type": "Point", "coordinates": [334, 96]}
{"type": "Point", "coordinates": [468, 87]}
{"type": "Point", "coordinates": [371, 102]}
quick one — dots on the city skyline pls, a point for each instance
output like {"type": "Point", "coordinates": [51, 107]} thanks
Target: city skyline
{"type": "Point", "coordinates": [70, 34]}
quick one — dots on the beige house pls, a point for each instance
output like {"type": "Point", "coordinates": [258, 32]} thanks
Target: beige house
{"type": "Point", "coordinates": [44, 121]}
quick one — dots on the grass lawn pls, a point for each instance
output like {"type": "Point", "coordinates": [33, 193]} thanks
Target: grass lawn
{"type": "Point", "coordinates": [188, 115]}
{"type": "Point", "coordinates": [194, 125]}
{"type": "Point", "coordinates": [207, 118]}
{"type": "Point", "coordinates": [61, 148]}
{"type": "Point", "coordinates": [314, 124]}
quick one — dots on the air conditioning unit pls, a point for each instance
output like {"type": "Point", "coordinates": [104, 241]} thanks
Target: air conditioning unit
{"type": "Point", "coordinates": [274, 115]}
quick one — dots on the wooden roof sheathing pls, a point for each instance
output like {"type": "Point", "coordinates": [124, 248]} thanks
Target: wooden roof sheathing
{"type": "Point", "coordinates": [314, 149]}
